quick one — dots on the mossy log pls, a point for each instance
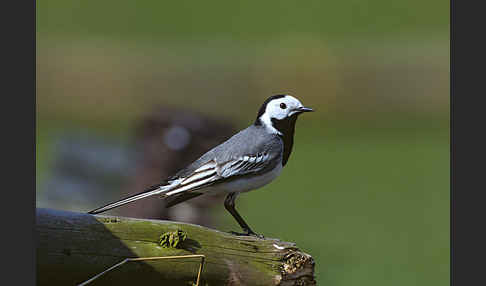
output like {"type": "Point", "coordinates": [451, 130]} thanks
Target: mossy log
{"type": "Point", "coordinates": [74, 247]}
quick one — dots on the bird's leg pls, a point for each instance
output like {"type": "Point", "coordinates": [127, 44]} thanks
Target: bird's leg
{"type": "Point", "coordinates": [229, 204]}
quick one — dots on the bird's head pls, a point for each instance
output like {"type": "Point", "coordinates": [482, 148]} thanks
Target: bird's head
{"type": "Point", "coordinates": [280, 112]}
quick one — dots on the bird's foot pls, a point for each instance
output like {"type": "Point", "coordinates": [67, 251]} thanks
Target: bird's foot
{"type": "Point", "coordinates": [248, 232]}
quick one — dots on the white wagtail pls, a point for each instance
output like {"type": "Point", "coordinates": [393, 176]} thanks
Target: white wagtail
{"type": "Point", "coordinates": [247, 161]}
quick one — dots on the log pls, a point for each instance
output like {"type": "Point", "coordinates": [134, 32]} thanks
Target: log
{"type": "Point", "coordinates": [75, 247]}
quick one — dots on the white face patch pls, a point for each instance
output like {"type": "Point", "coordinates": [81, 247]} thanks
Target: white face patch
{"type": "Point", "coordinates": [279, 108]}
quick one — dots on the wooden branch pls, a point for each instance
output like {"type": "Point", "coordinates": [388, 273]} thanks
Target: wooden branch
{"type": "Point", "coordinates": [74, 247]}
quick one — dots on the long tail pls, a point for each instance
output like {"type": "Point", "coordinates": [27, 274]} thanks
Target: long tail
{"type": "Point", "coordinates": [154, 190]}
{"type": "Point", "coordinates": [174, 191]}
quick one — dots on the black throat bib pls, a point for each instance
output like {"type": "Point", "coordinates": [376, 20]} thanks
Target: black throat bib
{"type": "Point", "coordinates": [286, 126]}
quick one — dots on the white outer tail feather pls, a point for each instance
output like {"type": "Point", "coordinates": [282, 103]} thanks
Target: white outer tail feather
{"type": "Point", "coordinates": [133, 198]}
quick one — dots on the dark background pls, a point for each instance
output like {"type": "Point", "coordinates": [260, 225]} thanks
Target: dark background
{"type": "Point", "coordinates": [366, 190]}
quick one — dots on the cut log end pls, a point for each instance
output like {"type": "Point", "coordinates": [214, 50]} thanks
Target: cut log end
{"type": "Point", "coordinates": [297, 269]}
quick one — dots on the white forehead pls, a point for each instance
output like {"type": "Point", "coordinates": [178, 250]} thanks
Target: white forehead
{"type": "Point", "coordinates": [274, 105]}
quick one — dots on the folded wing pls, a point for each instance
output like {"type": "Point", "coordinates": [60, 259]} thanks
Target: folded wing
{"type": "Point", "coordinates": [181, 189]}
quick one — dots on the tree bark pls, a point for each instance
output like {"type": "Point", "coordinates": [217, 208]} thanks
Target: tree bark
{"type": "Point", "coordinates": [74, 247]}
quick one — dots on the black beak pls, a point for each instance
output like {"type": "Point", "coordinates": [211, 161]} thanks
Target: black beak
{"type": "Point", "coordinates": [305, 109]}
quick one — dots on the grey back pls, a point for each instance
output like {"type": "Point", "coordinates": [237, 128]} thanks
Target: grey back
{"type": "Point", "coordinates": [249, 141]}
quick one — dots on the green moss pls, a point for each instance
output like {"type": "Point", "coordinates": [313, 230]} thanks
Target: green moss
{"type": "Point", "coordinates": [172, 239]}
{"type": "Point", "coordinates": [109, 220]}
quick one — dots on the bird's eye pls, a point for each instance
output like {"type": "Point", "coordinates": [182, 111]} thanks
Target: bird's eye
{"type": "Point", "coordinates": [283, 105]}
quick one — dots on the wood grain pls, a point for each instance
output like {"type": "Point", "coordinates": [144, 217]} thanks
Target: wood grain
{"type": "Point", "coordinates": [73, 247]}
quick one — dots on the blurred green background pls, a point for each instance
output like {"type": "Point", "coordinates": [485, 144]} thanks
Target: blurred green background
{"type": "Point", "coordinates": [366, 190]}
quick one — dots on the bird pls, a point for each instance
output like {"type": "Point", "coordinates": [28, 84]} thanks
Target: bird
{"type": "Point", "coordinates": [247, 161]}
